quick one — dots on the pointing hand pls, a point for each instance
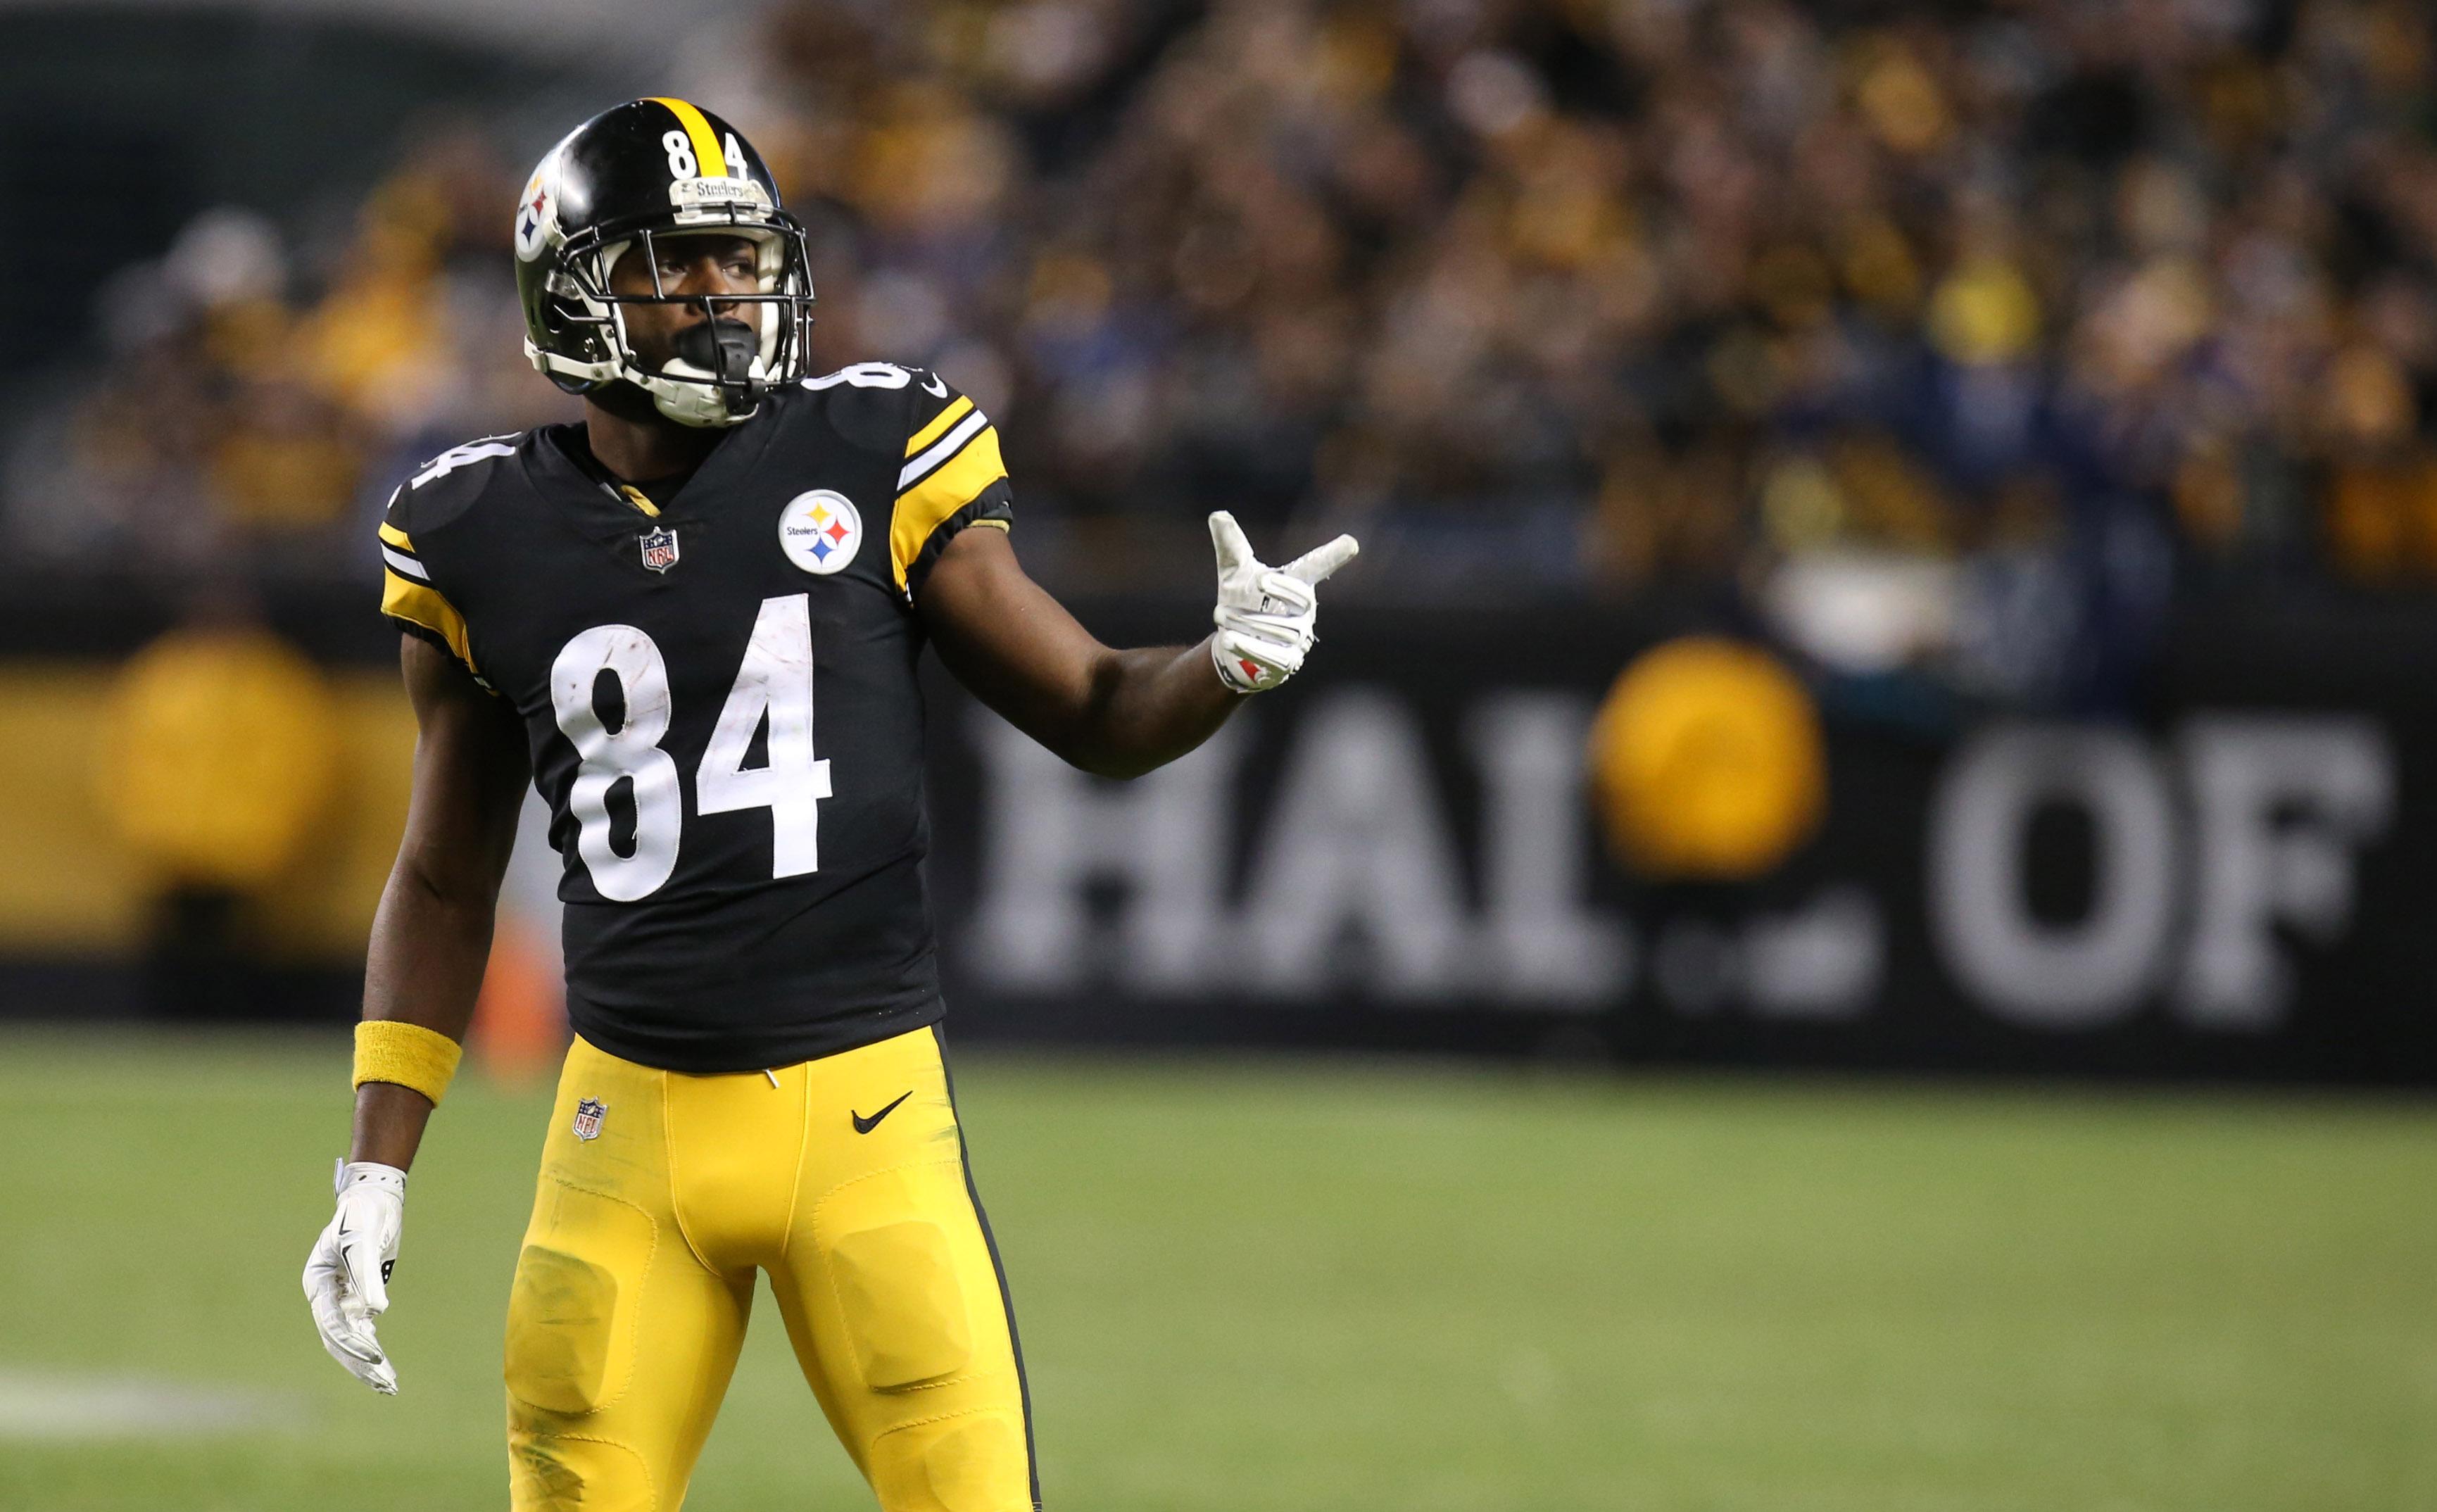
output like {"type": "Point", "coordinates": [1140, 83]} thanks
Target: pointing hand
{"type": "Point", "coordinates": [1266, 614]}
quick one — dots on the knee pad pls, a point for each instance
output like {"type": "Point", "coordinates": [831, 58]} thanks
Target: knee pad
{"type": "Point", "coordinates": [973, 1462]}
{"type": "Point", "coordinates": [549, 1473]}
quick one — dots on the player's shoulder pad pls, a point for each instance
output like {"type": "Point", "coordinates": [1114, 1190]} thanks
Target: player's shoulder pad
{"type": "Point", "coordinates": [878, 404]}
{"type": "Point", "coordinates": [443, 487]}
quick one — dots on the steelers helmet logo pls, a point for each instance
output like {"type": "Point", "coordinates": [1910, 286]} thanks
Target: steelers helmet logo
{"type": "Point", "coordinates": [535, 215]}
{"type": "Point", "coordinates": [819, 530]}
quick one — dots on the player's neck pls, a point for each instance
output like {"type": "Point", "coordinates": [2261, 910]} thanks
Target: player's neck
{"type": "Point", "coordinates": [643, 449]}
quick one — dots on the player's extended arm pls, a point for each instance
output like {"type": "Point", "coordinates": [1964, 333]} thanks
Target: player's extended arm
{"type": "Point", "coordinates": [431, 938]}
{"type": "Point", "coordinates": [1118, 713]}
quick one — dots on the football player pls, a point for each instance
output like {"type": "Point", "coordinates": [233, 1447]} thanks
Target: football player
{"type": "Point", "coordinates": [693, 621]}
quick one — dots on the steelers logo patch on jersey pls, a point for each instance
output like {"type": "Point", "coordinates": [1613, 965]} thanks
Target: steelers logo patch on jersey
{"type": "Point", "coordinates": [819, 530]}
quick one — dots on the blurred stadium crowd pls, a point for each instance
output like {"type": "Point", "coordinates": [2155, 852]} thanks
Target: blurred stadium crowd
{"type": "Point", "coordinates": [1972, 332]}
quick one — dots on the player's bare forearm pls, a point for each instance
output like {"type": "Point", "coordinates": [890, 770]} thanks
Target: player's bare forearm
{"type": "Point", "coordinates": [1150, 706]}
{"type": "Point", "coordinates": [432, 935]}
{"type": "Point", "coordinates": [1117, 713]}
{"type": "Point", "coordinates": [423, 966]}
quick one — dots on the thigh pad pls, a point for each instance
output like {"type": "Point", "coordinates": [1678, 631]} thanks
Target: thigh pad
{"type": "Point", "coordinates": [902, 1275]}
{"type": "Point", "coordinates": [571, 1314]}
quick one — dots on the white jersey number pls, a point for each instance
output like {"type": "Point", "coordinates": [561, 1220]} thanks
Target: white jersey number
{"type": "Point", "coordinates": [775, 682]}
{"type": "Point", "coordinates": [864, 376]}
{"type": "Point", "coordinates": [630, 752]}
{"type": "Point", "coordinates": [465, 456]}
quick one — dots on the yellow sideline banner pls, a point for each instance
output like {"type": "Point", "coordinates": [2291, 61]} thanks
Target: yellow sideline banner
{"type": "Point", "coordinates": [72, 887]}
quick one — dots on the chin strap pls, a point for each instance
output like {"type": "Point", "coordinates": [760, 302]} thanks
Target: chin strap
{"type": "Point", "coordinates": [684, 392]}
{"type": "Point", "coordinates": [699, 393]}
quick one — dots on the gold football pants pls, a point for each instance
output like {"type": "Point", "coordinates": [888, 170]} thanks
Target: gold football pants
{"type": "Point", "coordinates": [661, 1193]}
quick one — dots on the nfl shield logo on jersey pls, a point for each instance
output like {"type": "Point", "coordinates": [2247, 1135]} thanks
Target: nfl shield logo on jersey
{"type": "Point", "coordinates": [588, 1118]}
{"type": "Point", "coordinates": [659, 548]}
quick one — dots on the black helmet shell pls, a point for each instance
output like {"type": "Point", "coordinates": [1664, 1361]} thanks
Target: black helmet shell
{"type": "Point", "coordinates": [645, 169]}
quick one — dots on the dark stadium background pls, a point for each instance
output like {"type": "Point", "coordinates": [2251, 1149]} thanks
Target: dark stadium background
{"type": "Point", "coordinates": [1897, 539]}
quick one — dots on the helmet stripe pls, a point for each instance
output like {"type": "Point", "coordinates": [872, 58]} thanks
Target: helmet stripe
{"type": "Point", "coordinates": [712, 163]}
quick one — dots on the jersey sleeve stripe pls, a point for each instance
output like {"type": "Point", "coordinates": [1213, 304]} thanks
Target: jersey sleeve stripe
{"type": "Point", "coordinates": [932, 502]}
{"type": "Point", "coordinates": [707, 161]}
{"type": "Point", "coordinates": [402, 598]}
{"type": "Point", "coordinates": [939, 422]}
{"type": "Point", "coordinates": [400, 562]}
{"type": "Point", "coordinates": [988, 511]}
{"type": "Point", "coordinates": [391, 536]}
{"type": "Point", "coordinates": [942, 450]}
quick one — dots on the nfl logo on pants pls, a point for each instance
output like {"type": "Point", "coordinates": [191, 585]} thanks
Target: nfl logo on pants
{"type": "Point", "coordinates": [659, 548]}
{"type": "Point", "coordinates": [588, 1118]}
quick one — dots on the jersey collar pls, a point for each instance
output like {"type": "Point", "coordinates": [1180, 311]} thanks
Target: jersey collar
{"type": "Point", "coordinates": [565, 472]}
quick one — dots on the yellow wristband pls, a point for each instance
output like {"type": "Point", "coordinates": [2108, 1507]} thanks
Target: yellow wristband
{"type": "Point", "coordinates": [413, 1057]}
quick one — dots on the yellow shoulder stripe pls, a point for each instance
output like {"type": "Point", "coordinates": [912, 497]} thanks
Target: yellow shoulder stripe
{"type": "Point", "coordinates": [922, 509]}
{"type": "Point", "coordinates": [709, 160]}
{"type": "Point", "coordinates": [939, 426]}
{"type": "Point", "coordinates": [396, 536]}
{"type": "Point", "coordinates": [405, 599]}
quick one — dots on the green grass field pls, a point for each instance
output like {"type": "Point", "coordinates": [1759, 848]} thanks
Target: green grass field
{"type": "Point", "coordinates": [1251, 1286]}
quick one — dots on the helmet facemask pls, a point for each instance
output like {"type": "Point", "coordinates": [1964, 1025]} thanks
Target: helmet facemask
{"type": "Point", "coordinates": [712, 381]}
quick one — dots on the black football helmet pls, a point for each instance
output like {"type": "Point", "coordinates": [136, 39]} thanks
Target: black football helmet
{"type": "Point", "coordinates": [655, 169]}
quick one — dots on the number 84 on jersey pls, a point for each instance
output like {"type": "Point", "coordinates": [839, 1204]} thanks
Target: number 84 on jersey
{"type": "Point", "coordinates": [775, 683]}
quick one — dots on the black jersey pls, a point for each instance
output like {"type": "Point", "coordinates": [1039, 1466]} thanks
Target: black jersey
{"type": "Point", "coordinates": [719, 696]}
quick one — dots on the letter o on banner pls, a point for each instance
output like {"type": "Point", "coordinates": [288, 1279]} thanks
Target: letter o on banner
{"type": "Point", "coordinates": [2055, 977]}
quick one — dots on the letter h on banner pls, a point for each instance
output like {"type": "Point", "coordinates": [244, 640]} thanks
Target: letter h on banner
{"type": "Point", "coordinates": [1050, 831]}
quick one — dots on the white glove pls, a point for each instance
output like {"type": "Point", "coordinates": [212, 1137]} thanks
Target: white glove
{"type": "Point", "coordinates": [347, 1277]}
{"type": "Point", "coordinates": [1265, 614]}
